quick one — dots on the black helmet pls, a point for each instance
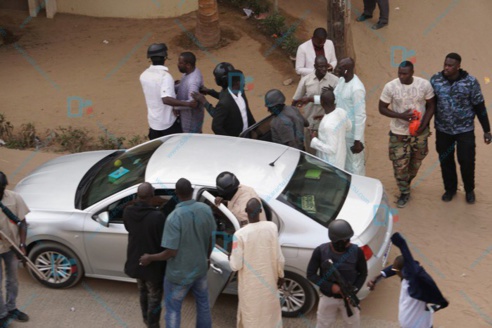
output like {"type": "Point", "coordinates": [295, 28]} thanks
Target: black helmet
{"type": "Point", "coordinates": [274, 97]}
{"type": "Point", "coordinates": [157, 50]}
{"type": "Point", "coordinates": [220, 73]}
{"type": "Point", "coordinates": [227, 183]}
{"type": "Point", "coordinates": [339, 230]}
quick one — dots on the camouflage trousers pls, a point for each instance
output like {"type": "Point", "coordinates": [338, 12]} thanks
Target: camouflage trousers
{"type": "Point", "coordinates": [407, 154]}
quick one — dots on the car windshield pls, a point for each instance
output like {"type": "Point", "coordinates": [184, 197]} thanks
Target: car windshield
{"type": "Point", "coordinates": [116, 173]}
{"type": "Point", "coordinates": [316, 189]}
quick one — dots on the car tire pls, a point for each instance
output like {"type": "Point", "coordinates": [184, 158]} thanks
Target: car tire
{"type": "Point", "coordinates": [61, 267]}
{"type": "Point", "coordinates": [297, 295]}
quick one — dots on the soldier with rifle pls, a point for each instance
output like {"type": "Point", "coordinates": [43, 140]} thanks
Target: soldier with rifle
{"type": "Point", "coordinates": [339, 268]}
{"type": "Point", "coordinates": [13, 226]}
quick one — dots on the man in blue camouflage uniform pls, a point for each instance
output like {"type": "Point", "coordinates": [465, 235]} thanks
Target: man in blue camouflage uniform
{"type": "Point", "coordinates": [459, 99]}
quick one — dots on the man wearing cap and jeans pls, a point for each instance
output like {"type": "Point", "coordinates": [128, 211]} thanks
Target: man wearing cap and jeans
{"type": "Point", "coordinates": [158, 88]}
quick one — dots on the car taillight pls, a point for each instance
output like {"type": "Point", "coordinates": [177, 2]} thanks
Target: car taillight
{"type": "Point", "coordinates": [367, 252]}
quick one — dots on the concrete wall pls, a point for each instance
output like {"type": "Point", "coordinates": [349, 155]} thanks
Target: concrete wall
{"type": "Point", "coordinates": [127, 8]}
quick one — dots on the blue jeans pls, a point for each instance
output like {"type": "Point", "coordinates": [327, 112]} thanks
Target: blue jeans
{"type": "Point", "coordinates": [11, 284]}
{"type": "Point", "coordinates": [174, 295]}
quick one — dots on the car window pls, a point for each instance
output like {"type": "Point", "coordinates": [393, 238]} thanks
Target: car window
{"type": "Point", "coordinates": [122, 171]}
{"type": "Point", "coordinates": [316, 189]}
{"type": "Point", "coordinates": [260, 130]}
{"type": "Point", "coordinates": [165, 200]}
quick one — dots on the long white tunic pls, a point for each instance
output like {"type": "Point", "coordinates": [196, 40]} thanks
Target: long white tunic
{"type": "Point", "coordinates": [330, 144]}
{"type": "Point", "coordinates": [257, 257]}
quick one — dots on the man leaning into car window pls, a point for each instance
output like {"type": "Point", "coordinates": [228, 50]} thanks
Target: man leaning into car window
{"type": "Point", "coordinates": [235, 196]}
{"type": "Point", "coordinates": [12, 208]}
{"type": "Point", "coordinates": [348, 259]}
{"type": "Point", "coordinates": [145, 225]}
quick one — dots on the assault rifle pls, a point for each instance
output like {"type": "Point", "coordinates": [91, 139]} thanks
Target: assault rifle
{"type": "Point", "coordinates": [347, 290]}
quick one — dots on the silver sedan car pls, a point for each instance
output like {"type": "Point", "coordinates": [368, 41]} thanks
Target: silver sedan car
{"type": "Point", "coordinates": [77, 202]}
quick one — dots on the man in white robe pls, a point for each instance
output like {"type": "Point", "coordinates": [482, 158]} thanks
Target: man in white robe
{"type": "Point", "coordinates": [257, 257]}
{"type": "Point", "coordinates": [350, 95]}
{"type": "Point", "coordinates": [329, 141]}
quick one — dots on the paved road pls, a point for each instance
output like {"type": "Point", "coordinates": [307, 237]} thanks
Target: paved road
{"type": "Point", "coordinates": [100, 303]}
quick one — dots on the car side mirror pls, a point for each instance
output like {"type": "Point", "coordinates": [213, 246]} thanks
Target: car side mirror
{"type": "Point", "coordinates": [103, 218]}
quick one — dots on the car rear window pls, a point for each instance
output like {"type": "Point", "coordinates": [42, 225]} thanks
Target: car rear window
{"type": "Point", "coordinates": [316, 189]}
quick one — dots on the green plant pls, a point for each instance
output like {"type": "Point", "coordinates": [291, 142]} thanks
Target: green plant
{"type": "Point", "coordinates": [290, 43]}
{"type": "Point", "coordinates": [73, 140]}
{"type": "Point", "coordinates": [109, 141]}
{"type": "Point", "coordinates": [6, 127]}
{"type": "Point", "coordinates": [274, 24]}
{"type": "Point", "coordinates": [258, 6]}
{"type": "Point", "coordinates": [136, 140]}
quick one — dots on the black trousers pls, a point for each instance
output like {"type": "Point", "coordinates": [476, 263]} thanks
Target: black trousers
{"type": "Point", "coordinates": [151, 294]}
{"type": "Point", "coordinates": [175, 128]}
{"type": "Point", "coordinates": [465, 144]}
{"type": "Point", "coordinates": [370, 5]}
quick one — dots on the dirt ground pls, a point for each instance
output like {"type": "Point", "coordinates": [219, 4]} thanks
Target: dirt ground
{"type": "Point", "coordinates": [66, 57]}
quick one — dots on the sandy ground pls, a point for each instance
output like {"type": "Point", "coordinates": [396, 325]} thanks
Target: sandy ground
{"type": "Point", "coordinates": [67, 58]}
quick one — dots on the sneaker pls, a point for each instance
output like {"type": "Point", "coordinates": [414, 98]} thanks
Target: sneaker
{"type": "Point", "coordinates": [448, 196]}
{"type": "Point", "coordinates": [18, 315]}
{"type": "Point", "coordinates": [378, 25]}
{"type": "Point", "coordinates": [403, 200]}
{"type": "Point", "coordinates": [470, 197]}
{"type": "Point", "coordinates": [363, 17]}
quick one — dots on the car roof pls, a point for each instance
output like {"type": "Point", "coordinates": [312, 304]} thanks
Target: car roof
{"type": "Point", "coordinates": [200, 158]}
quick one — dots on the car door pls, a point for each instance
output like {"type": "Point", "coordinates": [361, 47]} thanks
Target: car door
{"type": "Point", "coordinates": [259, 131]}
{"type": "Point", "coordinates": [220, 273]}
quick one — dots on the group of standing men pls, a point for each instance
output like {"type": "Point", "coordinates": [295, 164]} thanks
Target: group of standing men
{"type": "Point", "coordinates": [169, 253]}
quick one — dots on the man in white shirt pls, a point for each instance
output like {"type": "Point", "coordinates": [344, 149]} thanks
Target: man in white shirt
{"type": "Point", "coordinates": [308, 93]}
{"type": "Point", "coordinates": [158, 88]}
{"type": "Point", "coordinates": [350, 95]}
{"type": "Point", "coordinates": [409, 97]}
{"type": "Point", "coordinates": [318, 45]}
{"type": "Point", "coordinates": [329, 141]}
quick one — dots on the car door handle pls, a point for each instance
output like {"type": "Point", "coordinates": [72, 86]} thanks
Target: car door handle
{"type": "Point", "coordinates": [216, 269]}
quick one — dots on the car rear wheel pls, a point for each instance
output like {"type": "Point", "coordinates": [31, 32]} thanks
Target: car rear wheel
{"type": "Point", "coordinates": [297, 296]}
{"type": "Point", "coordinates": [59, 265]}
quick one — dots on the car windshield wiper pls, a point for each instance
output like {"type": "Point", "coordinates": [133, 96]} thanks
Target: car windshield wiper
{"type": "Point", "coordinates": [86, 181]}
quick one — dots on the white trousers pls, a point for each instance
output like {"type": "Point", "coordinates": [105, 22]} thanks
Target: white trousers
{"type": "Point", "coordinates": [355, 163]}
{"type": "Point", "coordinates": [328, 307]}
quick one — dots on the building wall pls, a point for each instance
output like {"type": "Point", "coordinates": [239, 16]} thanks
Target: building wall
{"type": "Point", "coordinates": [127, 8]}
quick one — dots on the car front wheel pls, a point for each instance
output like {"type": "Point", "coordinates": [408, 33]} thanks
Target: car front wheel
{"type": "Point", "coordinates": [59, 265]}
{"type": "Point", "coordinates": [297, 296]}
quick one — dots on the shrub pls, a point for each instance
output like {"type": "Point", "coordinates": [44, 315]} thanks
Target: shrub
{"type": "Point", "coordinates": [274, 24]}
{"type": "Point", "coordinates": [72, 139]}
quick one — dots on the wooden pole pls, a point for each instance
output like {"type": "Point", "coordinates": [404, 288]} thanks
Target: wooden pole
{"type": "Point", "coordinates": [336, 26]}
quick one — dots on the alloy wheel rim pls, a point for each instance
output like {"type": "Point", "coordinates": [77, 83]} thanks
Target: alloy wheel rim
{"type": "Point", "coordinates": [56, 267]}
{"type": "Point", "coordinates": [292, 296]}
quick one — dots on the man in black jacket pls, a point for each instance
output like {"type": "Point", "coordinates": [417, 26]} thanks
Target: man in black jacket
{"type": "Point", "coordinates": [145, 226]}
{"type": "Point", "coordinates": [349, 260]}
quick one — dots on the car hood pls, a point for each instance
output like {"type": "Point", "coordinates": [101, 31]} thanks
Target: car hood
{"type": "Point", "coordinates": [53, 185]}
{"type": "Point", "coordinates": [362, 203]}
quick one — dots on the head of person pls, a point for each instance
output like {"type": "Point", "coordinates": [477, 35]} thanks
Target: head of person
{"type": "Point", "coordinates": [227, 185]}
{"type": "Point", "coordinates": [345, 67]}
{"type": "Point", "coordinates": [328, 101]}
{"type": "Point", "coordinates": [186, 62]}
{"type": "Point", "coordinates": [157, 52]}
{"type": "Point", "coordinates": [184, 191]}
{"type": "Point", "coordinates": [275, 101]}
{"type": "Point", "coordinates": [145, 192]}
{"type": "Point", "coordinates": [3, 184]}
{"type": "Point", "coordinates": [398, 266]}
{"type": "Point", "coordinates": [221, 74]}
{"type": "Point", "coordinates": [320, 66]}
{"type": "Point", "coordinates": [340, 232]}
{"type": "Point", "coordinates": [236, 81]}
{"type": "Point", "coordinates": [253, 208]}
{"type": "Point", "coordinates": [405, 72]}
{"type": "Point", "coordinates": [319, 38]}
{"type": "Point", "coordinates": [452, 64]}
